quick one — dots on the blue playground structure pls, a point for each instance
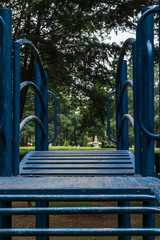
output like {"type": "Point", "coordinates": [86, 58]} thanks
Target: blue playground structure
{"type": "Point", "coordinates": [102, 176]}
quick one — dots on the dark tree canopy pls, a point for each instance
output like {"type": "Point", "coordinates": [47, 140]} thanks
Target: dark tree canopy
{"type": "Point", "coordinates": [71, 38]}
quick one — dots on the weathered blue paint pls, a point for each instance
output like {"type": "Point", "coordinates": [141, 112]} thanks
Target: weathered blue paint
{"type": "Point", "coordinates": [149, 219]}
{"type": "Point", "coordinates": [124, 106]}
{"type": "Point", "coordinates": [137, 131]}
{"type": "Point", "coordinates": [5, 105]}
{"type": "Point", "coordinates": [41, 143]}
{"type": "Point", "coordinates": [73, 163]}
{"type": "Point", "coordinates": [55, 116]}
{"type": "Point", "coordinates": [37, 90]}
{"type": "Point", "coordinates": [6, 92]}
{"type": "Point", "coordinates": [108, 116]}
{"type": "Point", "coordinates": [16, 107]}
{"type": "Point", "coordinates": [80, 232]}
{"type": "Point", "coordinates": [124, 220]}
{"type": "Point", "coordinates": [146, 89]}
{"type": "Point", "coordinates": [35, 119]}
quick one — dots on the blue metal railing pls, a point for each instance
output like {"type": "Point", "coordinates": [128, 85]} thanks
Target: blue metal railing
{"type": "Point", "coordinates": [121, 100]}
{"type": "Point", "coordinates": [55, 116]}
{"type": "Point", "coordinates": [143, 94]}
{"type": "Point", "coordinates": [108, 117]}
{"type": "Point", "coordinates": [41, 103]}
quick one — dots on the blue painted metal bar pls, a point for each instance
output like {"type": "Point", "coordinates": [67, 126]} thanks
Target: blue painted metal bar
{"type": "Point", "coordinates": [124, 107]}
{"type": "Point", "coordinates": [108, 117]}
{"type": "Point", "coordinates": [80, 210]}
{"type": "Point", "coordinates": [34, 51]}
{"type": "Point", "coordinates": [41, 143]}
{"type": "Point", "coordinates": [55, 116]}
{"type": "Point", "coordinates": [16, 108]}
{"type": "Point", "coordinates": [137, 131]}
{"type": "Point", "coordinates": [6, 92]}
{"type": "Point", "coordinates": [2, 76]}
{"type": "Point", "coordinates": [118, 116]}
{"type": "Point", "coordinates": [145, 77]}
{"type": "Point", "coordinates": [123, 119]}
{"type": "Point", "coordinates": [80, 232]}
{"type": "Point", "coordinates": [124, 220]}
{"type": "Point", "coordinates": [6, 109]}
{"type": "Point", "coordinates": [140, 70]}
{"type": "Point", "coordinates": [88, 197]}
{"type": "Point", "coordinates": [149, 219]}
{"type": "Point", "coordinates": [125, 46]}
{"type": "Point", "coordinates": [33, 118]}
{"type": "Point", "coordinates": [37, 90]}
{"type": "Point", "coordinates": [45, 116]}
{"type": "Point", "coordinates": [42, 221]}
{"type": "Point", "coordinates": [123, 88]}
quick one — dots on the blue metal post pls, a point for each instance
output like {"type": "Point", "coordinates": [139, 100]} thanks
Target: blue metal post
{"type": "Point", "coordinates": [41, 143]}
{"type": "Point", "coordinates": [147, 95]}
{"type": "Point", "coordinates": [124, 220]}
{"type": "Point", "coordinates": [137, 132]}
{"type": "Point", "coordinates": [123, 79]}
{"type": "Point", "coordinates": [149, 219]}
{"type": "Point", "coordinates": [118, 116]}
{"type": "Point", "coordinates": [6, 149]}
{"type": "Point", "coordinates": [16, 108]}
{"type": "Point", "coordinates": [42, 221]}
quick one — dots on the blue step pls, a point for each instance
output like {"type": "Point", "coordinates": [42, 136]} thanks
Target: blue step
{"type": "Point", "coordinates": [78, 163]}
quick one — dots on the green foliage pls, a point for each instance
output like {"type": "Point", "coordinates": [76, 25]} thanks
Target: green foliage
{"type": "Point", "coordinates": [66, 143]}
{"type": "Point", "coordinates": [71, 38]}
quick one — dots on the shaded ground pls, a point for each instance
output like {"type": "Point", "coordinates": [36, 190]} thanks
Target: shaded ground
{"type": "Point", "coordinates": [83, 221]}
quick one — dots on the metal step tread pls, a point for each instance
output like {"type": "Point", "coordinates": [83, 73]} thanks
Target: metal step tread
{"type": "Point", "coordinates": [68, 163]}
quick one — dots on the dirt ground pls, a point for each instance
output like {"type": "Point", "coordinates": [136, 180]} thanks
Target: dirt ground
{"type": "Point", "coordinates": [75, 221]}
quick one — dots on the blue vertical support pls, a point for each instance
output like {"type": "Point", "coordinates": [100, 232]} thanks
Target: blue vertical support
{"type": "Point", "coordinates": [147, 94]}
{"type": "Point", "coordinates": [42, 221]}
{"type": "Point", "coordinates": [124, 220]}
{"type": "Point", "coordinates": [6, 84]}
{"type": "Point", "coordinates": [41, 144]}
{"type": "Point", "coordinates": [124, 107]}
{"type": "Point", "coordinates": [6, 149]}
{"type": "Point", "coordinates": [118, 116]}
{"type": "Point", "coordinates": [137, 131]}
{"type": "Point", "coordinates": [149, 219]}
{"type": "Point", "coordinates": [16, 108]}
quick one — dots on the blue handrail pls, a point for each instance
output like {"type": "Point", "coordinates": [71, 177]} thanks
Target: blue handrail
{"type": "Point", "coordinates": [37, 90]}
{"type": "Point", "coordinates": [17, 127]}
{"type": "Point", "coordinates": [30, 45]}
{"type": "Point", "coordinates": [55, 116]}
{"type": "Point", "coordinates": [125, 117]}
{"type": "Point", "coordinates": [126, 44]}
{"type": "Point", "coordinates": [108, 117]}
{"type": "Point", "coordinates": [32, 118]}
{"type": "Point", "coordinates": [149, 50]}
{"type": "Point", "coordinates": [123, 88]}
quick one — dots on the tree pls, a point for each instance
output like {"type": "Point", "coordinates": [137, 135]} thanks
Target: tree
{"type": "Point", "coordinates": [70, 36]}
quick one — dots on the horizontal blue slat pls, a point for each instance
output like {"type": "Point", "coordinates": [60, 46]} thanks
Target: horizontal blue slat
{"type": "Point", "coordinates": [80, 232]}
{"type": "Point", "coordinates": [78, 210]}
{"type": "Point", "coordinates": [98, 197]}
{"type": "Point", "coordinates": [78, 163]}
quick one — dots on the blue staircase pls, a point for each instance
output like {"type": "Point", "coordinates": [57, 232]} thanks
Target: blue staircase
{"type": "Point", "coordinates": [81, 163]}
{"type": "Point", "coordinates": [94, 176]}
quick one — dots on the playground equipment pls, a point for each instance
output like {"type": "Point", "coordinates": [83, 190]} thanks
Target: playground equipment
{"type": "Point", "coordinates": [44, 177]}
